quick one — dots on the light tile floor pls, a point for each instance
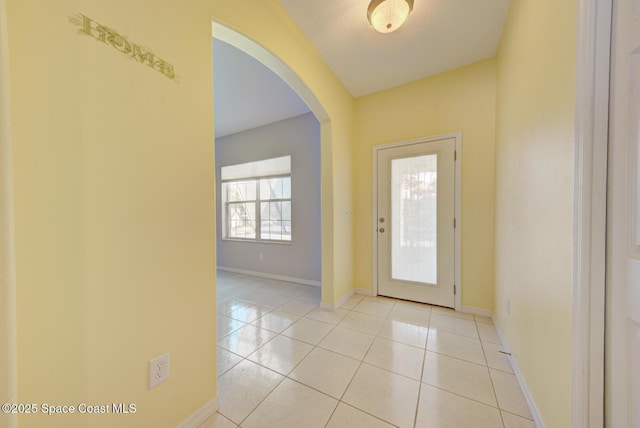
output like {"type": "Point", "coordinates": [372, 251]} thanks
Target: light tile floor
{"type": "Point", "coordinates": [374, 362]}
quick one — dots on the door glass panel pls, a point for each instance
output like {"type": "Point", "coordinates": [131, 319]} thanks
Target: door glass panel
{"type": "Point", "coordinates": [414, 218]}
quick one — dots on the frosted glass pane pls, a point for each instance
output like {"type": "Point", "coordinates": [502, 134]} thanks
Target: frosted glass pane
{"type": "Point", "coordinates": [275, 188]}
{"type": "Point", "coordinates": [241, 219]}
{"type": "Point", "coordinates": [275, 221]}
{"type": "Point", "coordinates": [414, 218]}
{"type": "Point", "coordinates": [240, 190]}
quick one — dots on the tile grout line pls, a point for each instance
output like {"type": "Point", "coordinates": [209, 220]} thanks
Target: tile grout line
{"type": "Point", "coordinates": [314, 346]}
{"type": "Point", "coordinates": [317, 346]}
{"type": "Point", "coordinates": [458, 394]}
{"type": "Point", "coordinates": [485, 365]}
{"type": "Point", "coordinates": [493, 387]}
{"type": "Point", "coordinates": [261, 401]}
{"type": "Point", "coordinates": [247, 357]}
{"type": "Point", "coordinates": [269, 393]}
{"type": "Point", "coordinates": [376, 336]}
{"type": "Point", "coordinates": [361, 361]}
{"type": "Point", "coordinates": [424, 360]}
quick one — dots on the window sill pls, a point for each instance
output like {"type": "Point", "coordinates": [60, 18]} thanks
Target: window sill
{"type": "Point", "coordinates": [257, 241]}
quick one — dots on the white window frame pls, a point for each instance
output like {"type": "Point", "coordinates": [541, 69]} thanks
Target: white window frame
{"type": "Point", "coordinates": [257, 218]}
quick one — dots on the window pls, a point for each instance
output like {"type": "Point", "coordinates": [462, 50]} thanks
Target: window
{"type": "Point", "coordinates": [256, 200]}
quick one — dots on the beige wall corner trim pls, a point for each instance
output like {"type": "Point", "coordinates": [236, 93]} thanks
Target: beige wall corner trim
{"type": "Point", "coordinates": [330, 307]}
{"type": "Point", "coordinates": [202, 414]}
{"type": "Point", "coordinates": [535, 413]}
{"type": "Point", "coordinates": [591, 130]}
{"type": "Point", "coordinates": [339, 303]}
{"type": "Point", "coordinates": [481, 312]}
{"type": "Point", "coordinates": [8, 346]}
{"type": "Point", "coordinates": [363, 291]}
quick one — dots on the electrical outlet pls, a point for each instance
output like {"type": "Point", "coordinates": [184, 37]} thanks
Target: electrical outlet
{"type": "Point", "coordinates": [158, 370]}
{"type": "Point", "coordinates": [260, 256]}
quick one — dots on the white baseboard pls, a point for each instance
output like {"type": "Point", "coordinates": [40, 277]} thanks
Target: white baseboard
{"type": "Point", "coordinates": [271, 276]}
{"type": "Point", "coordinates": [201, 415]}
{"type": "Point", "coordinates": [535, 413]}
{"type": "Point", "coordinates": [477, 311]}
{"type": "Point", "coordinates": [343, 299]}
{"type": "Point", "coordinates": [330, 307]}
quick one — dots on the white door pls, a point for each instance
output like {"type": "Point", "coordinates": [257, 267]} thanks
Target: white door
{"type": "Point", "coordinates": [622, 384]}
{"type": "Point", "coordinates": [415, 222]}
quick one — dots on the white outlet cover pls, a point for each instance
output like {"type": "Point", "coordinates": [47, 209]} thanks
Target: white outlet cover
{"type": "Point", "coordinates": [158, 370]}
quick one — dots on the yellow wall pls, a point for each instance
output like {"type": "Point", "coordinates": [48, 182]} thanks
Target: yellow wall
{"type": "Point", "coordinates": [113, 171]}
{"type": "Point", "coordinates": [7, 252]}
{"type": "Point", "coordinates": [113, 180]}
{"type": "Point", "coordinates": [458, 100]}
{"type": "Point", "coordinates": [534, 196]}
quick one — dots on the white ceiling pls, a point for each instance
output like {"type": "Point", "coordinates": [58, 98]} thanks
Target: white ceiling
{"type": "Point", "coordinates": [247, 94]}
{"type": "Point", "coordinates": [439, 35]}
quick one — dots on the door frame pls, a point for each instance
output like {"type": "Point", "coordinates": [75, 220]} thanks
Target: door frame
{"type": "Point", "coordinates": [457, 189]}
{"type": "Point", "coordinates": [258, 52]}
{"type": "Point", "coordinates": [590, 211]}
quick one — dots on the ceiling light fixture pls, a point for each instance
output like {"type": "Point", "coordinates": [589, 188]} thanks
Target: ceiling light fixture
{"type": "Point", "coordinates": [388, 15]}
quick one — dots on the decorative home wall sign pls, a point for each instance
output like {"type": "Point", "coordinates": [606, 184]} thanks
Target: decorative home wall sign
{"type": "Point", "coordinates": [111, 37]}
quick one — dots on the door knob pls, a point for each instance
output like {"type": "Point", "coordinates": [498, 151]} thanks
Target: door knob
{"type": "Point", "coordinates": [381, 220]}
{"type": "Point", "coordinates": [381, 230]}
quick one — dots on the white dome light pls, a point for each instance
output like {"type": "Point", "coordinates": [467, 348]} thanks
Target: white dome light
{"type": "Point", "coordinates": [388, 15]}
